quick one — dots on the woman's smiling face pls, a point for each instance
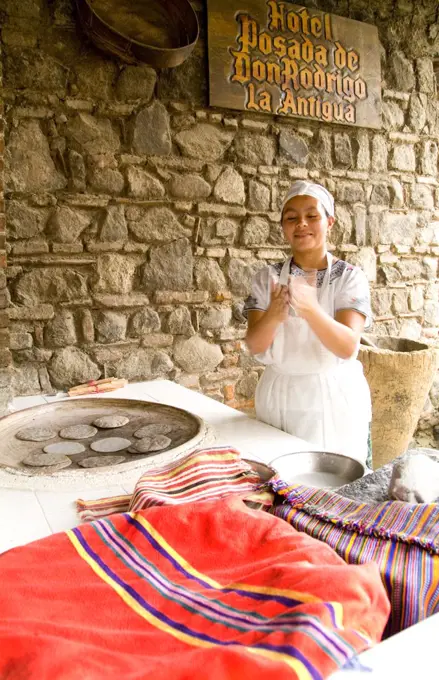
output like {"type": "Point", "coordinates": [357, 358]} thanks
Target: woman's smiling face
{"type": "Point", "coordinates": [305, 224]}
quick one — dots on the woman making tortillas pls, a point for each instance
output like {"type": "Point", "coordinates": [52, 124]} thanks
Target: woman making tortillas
{"type": "Point", "coordinates": [305, 319]}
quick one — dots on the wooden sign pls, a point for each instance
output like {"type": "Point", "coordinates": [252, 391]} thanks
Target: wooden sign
{"type": "Point", "coordinates": [287, 60]}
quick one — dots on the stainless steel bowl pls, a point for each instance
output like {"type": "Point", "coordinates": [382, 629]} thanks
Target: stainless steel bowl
{"type": "Point", "coordinates": [318, 468]}
{"type": "Point", "coordinates": [264, 471]}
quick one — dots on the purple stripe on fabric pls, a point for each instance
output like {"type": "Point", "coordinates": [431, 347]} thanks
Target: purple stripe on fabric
{"type": "Point", "coordinates": [198, 602]}
{"type": "Point", "coordinates": [406, 567]}
{"type": "Point", "coordinates": [171, 587]}
{"type": "Point", "coordinates": [281, 599]}
{"type": "Point", "coordinates": [286, 601]}
{"type": "Point", "coordinates": [283, 511]}
{"type": "Point", "coordinates": [282, 649]}
{"type": "Point", "coordinates": [391, 520]}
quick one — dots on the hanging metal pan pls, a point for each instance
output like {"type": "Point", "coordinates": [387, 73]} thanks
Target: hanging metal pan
{"type": "Point", "coordinates": [161, 33]}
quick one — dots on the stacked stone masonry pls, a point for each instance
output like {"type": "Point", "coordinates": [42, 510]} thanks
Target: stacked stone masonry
{"type": "Point", "coordinates": [5, 354]}
{"type": "Point", "coordinates": [137, 215]}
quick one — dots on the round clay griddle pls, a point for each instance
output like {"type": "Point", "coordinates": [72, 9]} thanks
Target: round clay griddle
{"type": "Point", "coordinates": [188, 432]}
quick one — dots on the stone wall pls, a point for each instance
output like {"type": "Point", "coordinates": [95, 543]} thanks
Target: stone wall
{"type": "Point", "coordinates": [137, 215]}
{"type": "Point", "coordinates": [5, 354]}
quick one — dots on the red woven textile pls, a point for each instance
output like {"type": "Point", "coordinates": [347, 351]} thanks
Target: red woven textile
{"type": "Point", "coordinates": [205, 590]}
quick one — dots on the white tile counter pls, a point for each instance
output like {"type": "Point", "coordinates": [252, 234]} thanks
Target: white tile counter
{"type": "Point", "coordinates": [27, 515]}
{"type": "Point", "coordinates": [33, 514]}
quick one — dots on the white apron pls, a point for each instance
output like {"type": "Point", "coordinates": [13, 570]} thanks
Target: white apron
{"type": "Point", "coordinates": [308, 391]}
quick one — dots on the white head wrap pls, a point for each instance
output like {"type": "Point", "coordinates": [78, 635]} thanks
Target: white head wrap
{"type": "Point", "coordinates": [302, 188]}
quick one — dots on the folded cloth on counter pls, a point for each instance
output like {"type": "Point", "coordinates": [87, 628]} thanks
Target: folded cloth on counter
{"type": "Point", "coordinates": [402, 539]}
{"type": "Point", "coordinates": [204, 475]}
{"type": "Point", "coordinates": [198, 590]}
{"type": "Point", "coordinates": [102, 507]}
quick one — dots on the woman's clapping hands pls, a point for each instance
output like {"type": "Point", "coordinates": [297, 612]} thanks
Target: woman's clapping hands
{"type": "Point", "coordinates": [302, 293]}
{"type": "Point", "coordinates": [278, 309]}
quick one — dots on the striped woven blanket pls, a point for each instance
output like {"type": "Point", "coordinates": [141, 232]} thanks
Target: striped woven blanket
{"type": "Point", "coordinates": [204, 475]}
{"type": "Point", "coordinates": [402, 539]}
{"type": "Point", "coordinates": [199, 590]}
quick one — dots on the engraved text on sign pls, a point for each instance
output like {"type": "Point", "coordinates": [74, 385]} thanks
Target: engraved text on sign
{"type": "Point", "coordinates": [279, 58]}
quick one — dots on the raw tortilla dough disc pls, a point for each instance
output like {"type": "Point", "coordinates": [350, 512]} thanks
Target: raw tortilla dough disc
{"type": "Point", "coordinates": [36, 434]}
{"type": "Point", "coordinates": [47, 459]}
{"type": "Point", "coordinates": [64, 448]}
{"type": "Point", "coordinates": [50, 469]}
{"type": "Point", "coordinates": [78, 432]}
{"type": "Point", "coordinates": [153, 429]}
{"type": "Point", "coordinates": [107, 422]}
{"type": "Point", "coordinates": [147, 444]}
{"type": "Point", "coordinates": [100, 461]}
{"type": "Point", "coordinates": [110, 445]}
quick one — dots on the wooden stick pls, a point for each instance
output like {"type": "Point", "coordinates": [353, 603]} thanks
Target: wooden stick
{"type": "Point", "coordinates": [96, 383]}
{"type": "Point", "coordinates": [95, 389]}
{"type": "Point", "coordinates": [103, 381]}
